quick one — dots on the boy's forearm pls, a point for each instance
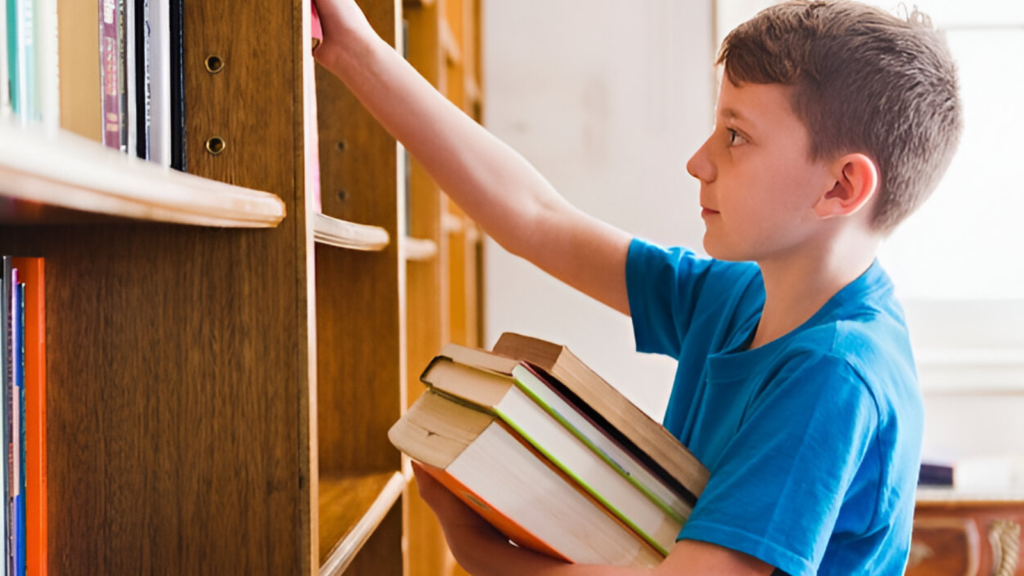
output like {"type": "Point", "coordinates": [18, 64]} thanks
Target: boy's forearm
{"type": "Point", "coordinates": [492, 183]}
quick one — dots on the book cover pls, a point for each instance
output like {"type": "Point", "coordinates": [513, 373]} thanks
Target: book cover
{"type": "Point", "coordinates": [110, 72]}
{"type": "Point", "coordinates": [179, 136]}
{"type": "Point", "coordinates": [662, 451]}
{"type": "Point", "coordinates": [31, 271]}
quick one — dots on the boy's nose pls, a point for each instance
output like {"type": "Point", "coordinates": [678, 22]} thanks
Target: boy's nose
{"type": "Point", "coordinates": [700, 165]}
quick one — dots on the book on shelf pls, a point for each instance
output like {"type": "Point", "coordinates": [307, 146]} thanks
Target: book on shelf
{"type": "Point", "coordinates": [24, 417]}
{"type": "Point", "coordinates": [977, 473]}
{"type": "Point", "coordinates": [613, 472]}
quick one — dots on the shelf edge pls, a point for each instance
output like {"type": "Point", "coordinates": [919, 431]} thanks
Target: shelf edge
{"type": "Point", "coordinates": [342, 234]}
{"type": "Point", "coordinates": [346, 549]}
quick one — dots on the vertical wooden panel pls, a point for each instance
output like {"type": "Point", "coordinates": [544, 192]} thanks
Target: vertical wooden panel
{"type": "Point", "coordinates": [381, 556]}
{"type": "Point", "coordinates": [360, 296]}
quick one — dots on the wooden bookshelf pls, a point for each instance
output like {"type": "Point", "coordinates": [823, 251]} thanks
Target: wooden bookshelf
{"type": "Point", "coordinates": [224, 360]}
{"type": "Point", "coordinates": [62, 177]}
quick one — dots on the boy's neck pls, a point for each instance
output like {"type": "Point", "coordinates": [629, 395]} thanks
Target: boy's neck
{"type": "Point", "coordinates": [799, 284]}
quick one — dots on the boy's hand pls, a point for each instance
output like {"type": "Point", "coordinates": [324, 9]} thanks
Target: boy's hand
{"type": "Point", "coordinates": [342, 22]}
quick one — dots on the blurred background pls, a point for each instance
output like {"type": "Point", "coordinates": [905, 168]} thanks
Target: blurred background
{"type": "Point", "coordinates": [610, 98]}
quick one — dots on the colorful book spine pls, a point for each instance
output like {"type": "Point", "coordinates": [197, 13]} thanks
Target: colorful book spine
{"type": "Point", "coordinates": [110, 72]}
{"type": "Point", "coordinates": [31, 273]}
{"type": "Point", "coordinates": [6, 376]}
{"type": "Point", "coordinates": [5, 81]}
{"type": "Point", "coordinates": [16, 499]}
{"type": "Point", "coordinates": [20, 547]}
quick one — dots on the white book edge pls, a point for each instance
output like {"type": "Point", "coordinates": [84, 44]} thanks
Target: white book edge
{"type": "Point", "coordinates": [48, 70]}
{"type": "Point", "coordinates": [160, 82]}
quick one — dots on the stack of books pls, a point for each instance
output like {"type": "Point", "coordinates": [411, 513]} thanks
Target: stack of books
{"type": "Point", "coordinates": [551, 454]}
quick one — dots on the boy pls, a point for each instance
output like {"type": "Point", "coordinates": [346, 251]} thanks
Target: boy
{"type": "Point", "coordinates": [796, 385]}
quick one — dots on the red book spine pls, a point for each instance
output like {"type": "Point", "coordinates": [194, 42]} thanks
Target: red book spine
{"type": "Point", "coordinates": [109, 74]}
{"type": "Point", "coordinates": [31, 273]}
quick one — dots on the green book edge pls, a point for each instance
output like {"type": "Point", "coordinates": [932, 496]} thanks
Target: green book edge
{"type": "Point", "coordinates": [597, 450]}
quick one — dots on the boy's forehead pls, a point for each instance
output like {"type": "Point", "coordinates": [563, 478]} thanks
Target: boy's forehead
{"type": "Point", "coordinates": [755, 103]}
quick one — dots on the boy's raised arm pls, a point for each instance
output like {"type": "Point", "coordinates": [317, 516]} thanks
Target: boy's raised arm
{"type": "Point", "coordinates": [491, 182]}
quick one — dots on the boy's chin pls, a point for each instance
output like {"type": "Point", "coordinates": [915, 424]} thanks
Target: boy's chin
{"type": "Point", "coordinates": [719, 252]}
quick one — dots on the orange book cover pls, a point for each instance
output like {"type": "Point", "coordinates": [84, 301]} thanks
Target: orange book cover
{"type": "Point", "coordinates": [31, 272]}
{"type": "Point", "coordinates": [503, 523]}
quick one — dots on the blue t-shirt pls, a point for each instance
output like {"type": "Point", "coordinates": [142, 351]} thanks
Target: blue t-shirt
{"type": "Point", "coordinates": [813, 440]}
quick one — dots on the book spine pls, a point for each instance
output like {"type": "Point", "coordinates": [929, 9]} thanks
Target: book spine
{"type": "Point", "coordinates": [13, 90]}
{"type": "Point", "coordinates": [24, 72]}
{"type": "Point", "coordinates": [47, 69]}
{"type": "Point", "coordinates": [122, 71]}
{"type": "Point", "coordinates": [14, 400]}
{"type": "Point", "coordinates": [179, 136]}
{"type": "Point", "coordinates": [160, 86]}
{"type": "Point", "coordinates": [19, 449]}
{"type": "Point", "coordinates": [31, 272]}
{"type": "Point", "coordinates": [131, 81]}
{"type": "Point", "coordinates": [142, 70]}
{"type": "Point", "coordinates": [109, 73]}
{"type": "Point", "coordinates": [5, 80]}
{"type": "Point", "coordinates": [5, 429]}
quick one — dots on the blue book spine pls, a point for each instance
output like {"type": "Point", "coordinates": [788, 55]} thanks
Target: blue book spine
{"type": "Point", "coordinates": [15, 423]}
{"type": "Point", "coordinates": [21, 549]}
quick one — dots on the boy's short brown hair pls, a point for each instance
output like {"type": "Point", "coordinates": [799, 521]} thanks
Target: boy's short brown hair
{"type": "Point", "coordinates": [863, 81]}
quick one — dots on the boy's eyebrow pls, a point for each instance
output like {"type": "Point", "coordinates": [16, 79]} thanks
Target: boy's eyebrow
{"type": "Point", "coordinates": [734, 114]}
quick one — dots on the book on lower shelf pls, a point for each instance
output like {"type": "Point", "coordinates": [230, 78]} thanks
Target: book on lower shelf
{"type": "Point", "coordinates": [484, 411]}
{"type": "Point", "coordinates": [23, 381]}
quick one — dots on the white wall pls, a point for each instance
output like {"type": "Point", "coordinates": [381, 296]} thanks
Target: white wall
{"type": "Point", "coordinates": [608, 99]}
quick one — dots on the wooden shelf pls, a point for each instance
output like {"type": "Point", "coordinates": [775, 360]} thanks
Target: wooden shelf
{"type": "Point", "coordinates": [335, 232]}
{"type": "Point", "coordinates": [418, 3]}
{"type": "Point", "coordinates": [61, 177]}
{"type": "Point", "coordinates": [351, 508]}
{"type": "Point", "coordinates": [419, 250]}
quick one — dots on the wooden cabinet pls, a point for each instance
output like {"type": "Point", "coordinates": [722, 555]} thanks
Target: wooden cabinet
{"type": "Point", "coordinates": [960, 535]}
{"type": "Point", "coordinates": [224, 361]}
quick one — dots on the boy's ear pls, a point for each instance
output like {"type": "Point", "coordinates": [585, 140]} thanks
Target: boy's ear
{"type": "Point", "coordinates": [856, 182]}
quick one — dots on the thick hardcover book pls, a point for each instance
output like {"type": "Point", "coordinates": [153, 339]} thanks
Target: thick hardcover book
{"type": "Point", "coordinates": [515, 487]}
{"type": "Point", "coordinates": [31, 272]}
{"type": "Point", "coordinates": [179, 136]}
{"type": "Point", "coordinates": [527, 407]}
{"type": "Point", "coordinates": [110, 74]}
{"type": "Point", "coordinates": [662, 451]}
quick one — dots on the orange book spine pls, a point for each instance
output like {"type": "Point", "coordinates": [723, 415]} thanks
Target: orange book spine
{"type": "Point", "coordinates": [31, 271]}
{"type": "Point", "coordinates": [510, 528]}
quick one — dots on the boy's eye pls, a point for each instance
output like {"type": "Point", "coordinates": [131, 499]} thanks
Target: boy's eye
{"type": "Point", "coordinates": [735, 139]}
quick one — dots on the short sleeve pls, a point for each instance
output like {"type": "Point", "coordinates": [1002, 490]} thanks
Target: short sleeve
{"type": "Point", "coordinates": [666, 286]}
{"type": "Point", "coordinates": [777, 490]}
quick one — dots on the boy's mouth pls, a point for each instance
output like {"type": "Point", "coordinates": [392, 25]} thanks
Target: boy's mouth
{"type": "Point", "coordinates": [705, 212]}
